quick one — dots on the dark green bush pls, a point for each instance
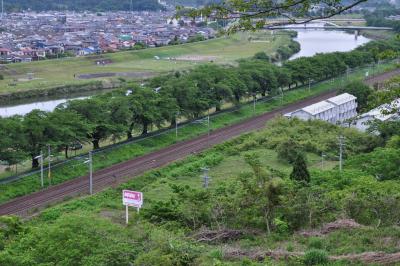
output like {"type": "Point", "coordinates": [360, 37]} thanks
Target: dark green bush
{"type": "Point", "coordinates": [316, 257]}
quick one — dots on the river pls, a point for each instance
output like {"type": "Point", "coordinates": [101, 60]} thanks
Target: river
{"type": "Point", "coordinates": [311, 41]}
{"type": "Point", "coordinates": [326, 41]}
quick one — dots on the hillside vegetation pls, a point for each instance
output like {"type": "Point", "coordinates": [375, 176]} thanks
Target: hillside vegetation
{"type": "Point", "coordinates": [79, 5]}
{"type": "Point", "coordinates": [257, 209]}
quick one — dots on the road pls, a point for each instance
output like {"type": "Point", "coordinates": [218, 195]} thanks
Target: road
{"type": "Point", "coordinates": [118, 173]}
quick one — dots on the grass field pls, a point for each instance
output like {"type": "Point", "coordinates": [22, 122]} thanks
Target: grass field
{"type": "Point", "coordinates": [52, 73]}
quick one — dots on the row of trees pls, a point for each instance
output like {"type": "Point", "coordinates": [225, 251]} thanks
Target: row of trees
{"type": "Point", "coordinates": [379, 18]}
{"type": "Point", "coordinates": [159, 102]}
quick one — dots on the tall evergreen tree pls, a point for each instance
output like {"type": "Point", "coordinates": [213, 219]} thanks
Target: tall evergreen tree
{"type": "Point", "coordinates": [300, 171]}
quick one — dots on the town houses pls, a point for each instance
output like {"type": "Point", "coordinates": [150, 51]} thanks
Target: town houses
{"type": "Point", "coordinates": [30, 36]}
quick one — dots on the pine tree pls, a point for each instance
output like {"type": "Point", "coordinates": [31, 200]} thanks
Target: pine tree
{"type": "Point", "coordinates": [300, 171]}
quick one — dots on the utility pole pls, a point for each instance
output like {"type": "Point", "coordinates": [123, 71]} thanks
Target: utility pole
{"type": "Point", "coordinates": [323, 155]}
{"type": "Point", "coordinates": [203, 121]}
{"type": "Point", "coordinates": [281, 95]}
{"type": "Point", "coordinates": [176, 125]}
{"type": "Point", "coordinates": [206, 178]}
{"type": "Point", "coordinates": [41, 168]}
{"type": "Point", "coordinates": [90, 173]}
{"type": "Point", "coordinates": [132, 10]}
{"type": "Point", "coordinates": [89, 161]}
{"type": "Point", "coordinates": [49, 171]}
{"type": "Point", "coordinates": [254, 102]}
{"type": "Point", "coordinates": [341, 146]}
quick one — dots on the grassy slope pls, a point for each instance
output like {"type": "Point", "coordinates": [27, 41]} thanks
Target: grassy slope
{"type": "Point", "coordinates": [156, 186]}
{"type": "Point", "coordinates": [52, 73]}
{"type": "Point", "coordinates": [74, 169]}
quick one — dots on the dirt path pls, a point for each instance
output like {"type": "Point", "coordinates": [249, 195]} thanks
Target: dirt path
{"type": "Point", "coordinates": [116, 74]}
{"type": "Point", "coordinates": [382, 77]}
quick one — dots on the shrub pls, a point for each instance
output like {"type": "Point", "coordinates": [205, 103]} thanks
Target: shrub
{"type": "Point", "coordinates": [288, 150]}
{"type": "Point", "coordinates": [281, 227]}
{"type": "Point", "coordinates": [316, 257]}
{"type": "Point", "coordinates": [315, 243]}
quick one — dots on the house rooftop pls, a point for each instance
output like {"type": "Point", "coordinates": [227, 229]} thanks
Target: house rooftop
{"type": "Point", "coordinates": [342, 98]}
{"type": "Point", "coordinates": [319, 107]}
{"type": "Point", "coordinates": [385, 111]}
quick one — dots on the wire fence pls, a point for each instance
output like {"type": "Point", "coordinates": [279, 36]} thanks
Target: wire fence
{"type": "Point", "coordinates": [74, 161]}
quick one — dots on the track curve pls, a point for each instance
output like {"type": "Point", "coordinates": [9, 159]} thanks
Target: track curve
{"type": "Point", "coordinates": [114, 174]}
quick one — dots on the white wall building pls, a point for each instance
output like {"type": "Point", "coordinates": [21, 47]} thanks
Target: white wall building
{"type": "Point", "coordinates": [333, 110]}
{"type": "Point", "coordinates": [381, 113]}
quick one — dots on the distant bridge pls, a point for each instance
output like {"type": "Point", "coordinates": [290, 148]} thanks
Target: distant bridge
{"type": "Point", "coordinates": [328, 25]}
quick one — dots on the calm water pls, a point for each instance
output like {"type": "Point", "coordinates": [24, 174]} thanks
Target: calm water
{"type": "Point", "coordinates": [321, 41]}
{"type": "Point", "coordinates": [311, 41]}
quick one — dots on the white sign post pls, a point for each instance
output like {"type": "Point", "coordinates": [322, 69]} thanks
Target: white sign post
{"type": "Point", "coordinates": [131, 198]}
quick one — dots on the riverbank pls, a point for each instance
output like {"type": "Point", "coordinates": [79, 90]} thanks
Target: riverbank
{"type": "Point", "coordinates": [38, 94]}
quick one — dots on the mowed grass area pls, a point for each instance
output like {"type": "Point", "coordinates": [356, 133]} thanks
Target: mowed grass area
{"type": "Point", "coordinates": [52, 73]}
{"type": "Point", "coordinates": [228, 167]}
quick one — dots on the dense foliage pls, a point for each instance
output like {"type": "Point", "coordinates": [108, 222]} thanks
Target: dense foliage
{"type": "Point", "coordinates": [380, 18]}
{"type": "Point", "coordinates": [78, 5]}
{"type": "Point", "coordinates": [254, 207]}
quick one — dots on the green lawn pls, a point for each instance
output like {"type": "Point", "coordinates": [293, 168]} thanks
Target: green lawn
{"type": "Point", "coordinates": [52, 73]}
{"type": "Point", "coordinates": [228, 167]}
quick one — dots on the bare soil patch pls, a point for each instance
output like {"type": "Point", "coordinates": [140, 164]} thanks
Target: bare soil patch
{"type": "Point", "coordinates": [331, 227]}
{"type": "Point", "coordinates": [376, 258]}
{"type": "Point", "coordinates": [379, 79]}
{"type": "Point", "coordinates": [196, 58]}
{"type": "Point", "coordinates": [4, 69]}
{"type": "Point", "coordinates": [116, 74]}
{"type": "Point", "coordinates": [221, 235]}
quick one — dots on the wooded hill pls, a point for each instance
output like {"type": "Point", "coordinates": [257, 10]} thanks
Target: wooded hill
{"type": "Point", "coordinates": [80, 5]}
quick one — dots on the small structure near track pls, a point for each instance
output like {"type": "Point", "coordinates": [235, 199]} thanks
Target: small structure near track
{"type": "Point", "coordinates": [333, 110]}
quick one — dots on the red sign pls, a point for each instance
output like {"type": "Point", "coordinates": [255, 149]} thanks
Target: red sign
{"type": "Point", "coordinates": [132, 198]}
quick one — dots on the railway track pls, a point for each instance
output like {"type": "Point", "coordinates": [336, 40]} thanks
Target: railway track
{"type": "Point", "coordinates": [116, 174]}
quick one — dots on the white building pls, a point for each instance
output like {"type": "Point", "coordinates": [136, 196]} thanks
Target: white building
{"type": "Point", "coordinates": [346, 104]}
{"type": "Point", "coordinates": [333, 110]}
{"type": "Point", "coordinates": [382, 113]}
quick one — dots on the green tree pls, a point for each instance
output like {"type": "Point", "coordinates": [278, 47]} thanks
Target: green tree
{"type": "Point", "coordinates": [261, 56]}
{"type": "Point", "coordinates": [36, 128]}
{"type": "Point", "coordinates": [12, 140]}
{"type": "Point", "coordinates": [96, 114]}
{"type": "Point", "coordinates": [300, 172]}
{"type": "Point", "coordinates": [261, 192]}
{"type": "Point", "coordinates": [361, 91]}
{"type": "Point", "coordinates": [254, 14]}
{"type": "Point", "coordinates": [68, 127]}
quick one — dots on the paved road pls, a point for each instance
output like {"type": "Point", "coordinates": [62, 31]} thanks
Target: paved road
{"type": "Point", "coordinates": [117, 173]}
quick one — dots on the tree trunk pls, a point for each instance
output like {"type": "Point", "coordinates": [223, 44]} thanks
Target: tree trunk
{"type": "Point", "coordinates": [35, 162]}
{"type": "Point", "coordinates": [66, 151]}
{"type": "Point", "coordinates": [96, 144]}
{"type": "Point", "coordinates": [173, 121]}
{"type": "Point", "coordinates": [218, 108]}
{"type": "Point", "coordinates": [145, 128]}
{"type": "Point", "coordinates": [129, 134]}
